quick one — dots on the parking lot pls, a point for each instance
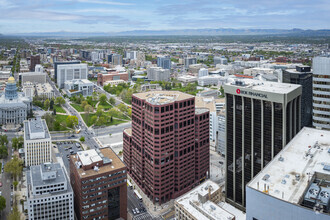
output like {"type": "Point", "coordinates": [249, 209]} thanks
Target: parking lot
{"type": "Point", "coordinates": [65, 148]}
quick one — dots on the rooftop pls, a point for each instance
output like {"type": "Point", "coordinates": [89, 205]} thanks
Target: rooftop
{"type": "Point", "coordinates": [288, 175]}
{"type": "Point", "coordinates": [35, 128]}
{"type": "Point", "coordinates": [128, 131]}
{"type": "Point", "coordinates": [111, 161]}
{"type": "Point", "coordinates": [45, 174]}
{"type": "Point", "coordinates": [163, 97]}
{"type": "Point", "coordinates": [209, 103]}
{"type": "Point", "coordinates": [203, 210]}
{"type": "Point", "coordinates": [264, 86]}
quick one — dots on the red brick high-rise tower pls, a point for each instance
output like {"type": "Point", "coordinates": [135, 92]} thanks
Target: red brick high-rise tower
{"type": "Point", "coordinates": [167, 149]}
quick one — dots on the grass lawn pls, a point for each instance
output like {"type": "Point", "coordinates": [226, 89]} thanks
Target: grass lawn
{"type": "Point", "coordinates": [114, 122]}
{"type": "Point", "coordinates": [59, 109]}
{"type": "Point", "coordinates": [77, 107]}
{"type": "Point", "coordinates": [87, 118]}
{"type": "Point", "coordinates": [106, 106]}
{"type": "Point", "coordinates": [60, 118]}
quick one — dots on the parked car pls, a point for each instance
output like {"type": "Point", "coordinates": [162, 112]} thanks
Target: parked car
{"type": "Point", "coordinates": [134, 212]}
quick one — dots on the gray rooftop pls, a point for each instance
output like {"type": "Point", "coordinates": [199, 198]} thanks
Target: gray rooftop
{"type": "Point", "coordinates": [36, 128]}
{"type": "Point", "coordinates": [45, 174]}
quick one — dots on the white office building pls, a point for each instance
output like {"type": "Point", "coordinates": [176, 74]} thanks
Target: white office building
{"type": "Point", "coordinates": [68, 72]}
{"type": "Point", "coordinates": [296, 183]}
{"type": "Point", "coordinates": [211, 80]}
{"type": "Point", "coordinates": [79, 86]}
{"type": "Point", "coordinates": [203, 72]}
{"type": "Point", "coordinates": [39, 69]}
{"type": "Point", "coordinates": [45, 90]}
{"type": "Point", "coordinates": [49, 193]}
{"type": "Point", "coordinates": [321, 92]}
{"type": "Point", "coordinates": [158, 74]}
{"type": "Point", "coordinates": [29, 90]}
{"type": "Point", "coordinates": [189, 61]}
{"type": "Point", "coordinates": [37, 142]}
{"type": "Point", "coordinates": [33, 77]}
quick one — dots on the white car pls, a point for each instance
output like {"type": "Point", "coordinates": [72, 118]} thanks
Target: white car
{"type": "Point", "coordinates": [134, 212]}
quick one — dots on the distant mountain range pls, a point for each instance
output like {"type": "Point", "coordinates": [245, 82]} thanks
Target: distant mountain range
{"type": "Point", "coordinates": [220, 31]}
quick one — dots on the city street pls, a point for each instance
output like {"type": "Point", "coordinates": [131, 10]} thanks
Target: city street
{"type": "Point", "coordinates": [6, 179]}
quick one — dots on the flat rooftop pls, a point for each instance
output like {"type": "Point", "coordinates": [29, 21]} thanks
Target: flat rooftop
{"type": "Point", "coordinates": [46, 174]}
{"type": "Point", "coordinates": [203, 102]}
{"type": "Point", "coordinates": [128, 131]}
{"type": "Point", "coordinates": [36, 128]}
{"type": "Point", "coordinates": [190, 201]}
{"type": "Point", "coordinates": [163, 97]}
{"type": "Point", "coordinates": [93, 155]}
{"type": "Point", "coordinates": [44, 87]}
{"type": "Point", "coordinates": [306, 154]}
{"type": "Point", "coordinates": [264, 86]}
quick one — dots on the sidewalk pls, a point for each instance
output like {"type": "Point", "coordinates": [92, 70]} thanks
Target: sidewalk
{"type": "Point", "coordinates": [153, 209]}
{"type": "Point", "coordinates": [20, 194]}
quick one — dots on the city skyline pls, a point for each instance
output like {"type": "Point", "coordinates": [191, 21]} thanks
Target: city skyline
{"type": "Point", "coordinates": [117, 16]}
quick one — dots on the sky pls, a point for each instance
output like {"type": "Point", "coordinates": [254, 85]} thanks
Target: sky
{"type": "Point", "coordinates": [29, 16]}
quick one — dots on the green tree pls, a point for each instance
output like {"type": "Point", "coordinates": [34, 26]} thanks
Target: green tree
{"type": "Point", "coordinates": [83, 104]}
{"type": "Point", "coordinates": [47, 104]}
{"type": "Point", "coordinates": [102, 120]}
{"type": "Point", "coordinates": [14, 143]}
{"type": "Point", "coordinates": [82, 139]}
{"type": "Point", "coordinates": [99, 111]}
{"type": "Point", "coordinates": [88, 109]}
{"type": "Point", "coordinates": [15, 214]}
{"type": "Point", "coordinates": [2, 203]}
{"type": "Point", "coordinates": [3, 151]}
{"type": "Point", "coordinates": [60, 101]}
{"type": "Point", "coordinates": [14, 167]}
{"type": "Point", "coordinates": [71, 121]}
{"type": "Point", "coordinates": [93, 119]}
{"type": "Point", "coordinates": [3, 140]}
{"type": "Point", "coordinates": [112, 101]}
{"type": "Point", "coordinates": [103, 99]}
{"type": "Point", "coordinates": [122, 107]}
{"type": "Point", "coordinates": [15, 184]}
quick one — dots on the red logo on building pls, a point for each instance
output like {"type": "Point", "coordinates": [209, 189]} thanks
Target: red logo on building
{"type": "Point", "coordinates": [238, 91]}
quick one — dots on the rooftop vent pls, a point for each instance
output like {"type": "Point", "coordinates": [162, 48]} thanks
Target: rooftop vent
{"type": "Point", "coordinates": [326, 167]}
{"type": "Point", "coordinates": [266, 177]}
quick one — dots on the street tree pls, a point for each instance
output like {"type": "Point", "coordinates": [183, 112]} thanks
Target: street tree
{"type": "Point", "coordinates": [3, 151]}
{"type": "Point", "coordinates": [14, 167]}
{"type": "Point", "coordinates": [2, 203]}
{"type": "Point", "coordinates": [15, 214]}
{"type": "Point", "coordinates": [82, 139]}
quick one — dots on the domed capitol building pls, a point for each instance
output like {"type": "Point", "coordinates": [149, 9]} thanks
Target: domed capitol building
{"type": "Point", "coordinates": [14, 106]}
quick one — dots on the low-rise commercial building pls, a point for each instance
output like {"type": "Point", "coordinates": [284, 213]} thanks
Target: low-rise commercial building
{"type": "Point", "coordinates": [78, 87]}
{"type": "Point", "coordinates": [211, 80]}
{"type": "Point", "coordinates": [44, 90]}
{"type": "Point", "coordinates": [110, 76]}
{"type": "Point", "coordinates": [201, 204]}
{"type": "Point", "coordinates": [49, 193]}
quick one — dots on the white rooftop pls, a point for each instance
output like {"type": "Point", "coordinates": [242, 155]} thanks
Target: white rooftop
{"type": "Point", "coordinates": [88, 157]}
{"type": "Point", "coordinates": [308, 152]}
{"type": "Point", "coordinates": [265, 86]}
{"type": "Point", "coordinates": [190, 201]}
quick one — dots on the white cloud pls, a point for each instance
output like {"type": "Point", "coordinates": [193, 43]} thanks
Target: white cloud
{"type": "Point", "coordinates": [104, 2]}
